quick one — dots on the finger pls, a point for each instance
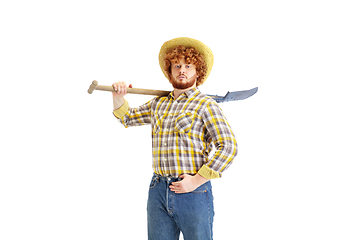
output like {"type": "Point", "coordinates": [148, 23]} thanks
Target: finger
{"type": "Point", "coordinates": [173, 189]}
{"type": "Point", "coordinates": [116, 87]}
{"type": "Point", "coordinates": [176, 184]}
{"type": "Point", "coordinates": [122, 89]}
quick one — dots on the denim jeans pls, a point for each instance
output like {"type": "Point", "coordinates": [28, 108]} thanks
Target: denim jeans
{"type": "Point", "coordinates": [169, 213]}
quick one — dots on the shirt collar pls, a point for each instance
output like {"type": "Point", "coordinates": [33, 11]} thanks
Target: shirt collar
{"type": "Point", "coordinates": [189, 93]}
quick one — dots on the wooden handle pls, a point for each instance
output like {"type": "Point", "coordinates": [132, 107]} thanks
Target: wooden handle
{"type": "Point", "coordinates": [92, 87]}
{"type": "Point", "coordinates": [95, 86]}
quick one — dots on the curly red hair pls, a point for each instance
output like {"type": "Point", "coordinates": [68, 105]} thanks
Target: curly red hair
{"type": "Point", "coordinates": [191, 57]}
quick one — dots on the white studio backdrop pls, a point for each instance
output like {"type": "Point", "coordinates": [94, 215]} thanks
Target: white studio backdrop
{"type": "Point", "coordinates": [69, 170]}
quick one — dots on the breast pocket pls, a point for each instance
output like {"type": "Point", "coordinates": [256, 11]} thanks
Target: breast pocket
{"type": "Point", "coordinates": [184, 122]}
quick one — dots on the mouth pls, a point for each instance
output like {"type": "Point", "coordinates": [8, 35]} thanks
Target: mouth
{"type": "Point", "coordinates": [181, 77]}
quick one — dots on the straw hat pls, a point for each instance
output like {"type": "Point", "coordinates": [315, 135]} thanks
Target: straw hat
{"type": "Point", "coordinates": [204, 50]}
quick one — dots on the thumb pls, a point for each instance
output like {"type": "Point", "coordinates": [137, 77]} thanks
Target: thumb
{"type": "Point", "coordinates": [184, 175]}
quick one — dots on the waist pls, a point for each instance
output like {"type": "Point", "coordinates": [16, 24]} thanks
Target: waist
{"type": "Point", "coordinates": [170, 178]}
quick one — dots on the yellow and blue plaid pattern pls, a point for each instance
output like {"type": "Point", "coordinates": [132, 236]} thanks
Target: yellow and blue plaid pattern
{"type": "Point", "coordinates": [184, 131]}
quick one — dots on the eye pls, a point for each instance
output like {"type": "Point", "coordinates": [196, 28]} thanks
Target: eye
{"type": "Point", "coordinates": [188, 66]}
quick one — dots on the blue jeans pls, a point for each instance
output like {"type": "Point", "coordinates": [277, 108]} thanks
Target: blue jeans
{"type": "Point", "coordinates": [169, 213]}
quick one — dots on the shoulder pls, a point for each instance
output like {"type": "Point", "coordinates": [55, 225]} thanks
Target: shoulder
{"type": "Point", "coordinates": [206, 100]}
{"type": "Point", "coordinates": [204, 103]}
{"type": "Point", "coordinates": [159, 103]}
{"type": "Point", "coordinates": [158, 99]}
{"type": "Point", "coordinates": [199, 96]}
{"type": "Point", "coordinates": [209, 108]}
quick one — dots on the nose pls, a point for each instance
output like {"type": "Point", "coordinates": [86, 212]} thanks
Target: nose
{"type": "Point", "coordinates": [182, 69]}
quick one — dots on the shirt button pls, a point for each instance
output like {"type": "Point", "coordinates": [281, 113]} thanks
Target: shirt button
{"type": "Point", "coordinates": [164, 144]}
{"type": "Point", "coordinates": [165, 159]}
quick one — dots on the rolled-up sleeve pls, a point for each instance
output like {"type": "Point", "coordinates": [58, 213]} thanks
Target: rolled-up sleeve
{"type": "Point", "coordinates": [121, 111]}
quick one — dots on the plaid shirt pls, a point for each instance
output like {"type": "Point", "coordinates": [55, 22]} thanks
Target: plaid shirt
{"type": "Point", "coordinates": [183, 131]}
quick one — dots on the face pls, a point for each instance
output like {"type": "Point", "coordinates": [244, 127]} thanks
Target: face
{"type": "Point", "coordinates": [183, 75]}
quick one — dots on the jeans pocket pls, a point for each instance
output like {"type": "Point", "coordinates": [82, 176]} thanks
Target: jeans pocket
{"type": "Point", "coordinates": [202, 189]}
{"type": "Point", "coordinates": [154, 181]}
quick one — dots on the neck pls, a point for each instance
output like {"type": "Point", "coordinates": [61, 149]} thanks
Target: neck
{"type": "Point", "coordinates": [178, 92]}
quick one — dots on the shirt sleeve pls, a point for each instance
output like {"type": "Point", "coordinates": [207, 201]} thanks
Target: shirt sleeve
{"type": "Point", "coordinates": [121, 111]}
{"type": "Point", "coordinates": [224, 140]}
{"type": "Point", "coordinates": [130, 117]}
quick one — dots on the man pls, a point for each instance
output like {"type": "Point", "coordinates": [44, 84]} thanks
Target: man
{"type": "Point", "coordinates": [185, 126]}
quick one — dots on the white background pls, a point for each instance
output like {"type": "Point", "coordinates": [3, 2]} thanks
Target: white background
{"type": "Point", "coordinates": [69, 170]}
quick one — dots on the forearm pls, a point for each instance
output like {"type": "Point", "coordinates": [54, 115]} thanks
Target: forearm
{"type": "Point", "coordinates": [130, 117]}
{"type": "Point", "coordinates": [221, 159]}
{"type": "Point", "coordinates": [224, 140]}
{"type": "Point", "coordinates": [118, 102]}
{"type": "Point", "coordinates": [118, 96]}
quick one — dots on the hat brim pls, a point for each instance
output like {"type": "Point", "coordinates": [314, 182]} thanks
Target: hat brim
{"type": "Point", "coordinates": [204, 50]}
